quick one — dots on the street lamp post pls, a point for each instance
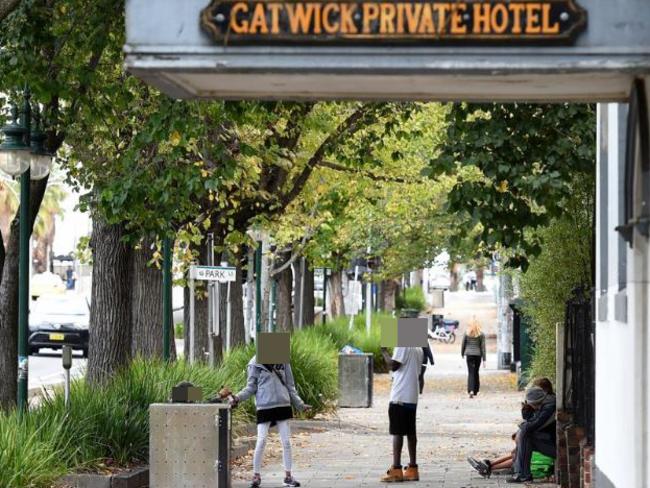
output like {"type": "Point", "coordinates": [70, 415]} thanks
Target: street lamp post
{"type": "Point", "coordinates": [22, 154]}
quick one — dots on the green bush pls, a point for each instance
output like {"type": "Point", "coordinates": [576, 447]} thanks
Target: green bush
{"type": "Point", "coordinates": [564, 263]}
{"type": "Point", "coordinates": [339, 332]}
{"type": "Point", "coordinates": [111, 424]}
{"type": "Point", "coordinates": [412, 298]}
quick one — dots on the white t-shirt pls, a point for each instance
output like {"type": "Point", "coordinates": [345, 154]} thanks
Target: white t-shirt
{"type": "Point", "coordinates": [405, 386]}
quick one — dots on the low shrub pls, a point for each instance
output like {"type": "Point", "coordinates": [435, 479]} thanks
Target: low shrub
{"type": "Point", "coordinates": [339, 332]}
{"type": "Point", "coordinates": [412, 298]}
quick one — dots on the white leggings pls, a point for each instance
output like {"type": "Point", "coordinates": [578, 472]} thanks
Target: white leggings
{"type": "Point", "coordinates": [262, 433]}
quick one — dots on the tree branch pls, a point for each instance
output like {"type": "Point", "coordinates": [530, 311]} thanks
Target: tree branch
{"type": "Point", "coordinates": [6, 7]}
{"type": "Point", "coordinates": [277, 176]}
{"type": "Point", "coordinates": [364, 173]}
{"type": "Point", "coordinates": [348, 126]}
{"type": "Point", "coordinates": [294, 255]}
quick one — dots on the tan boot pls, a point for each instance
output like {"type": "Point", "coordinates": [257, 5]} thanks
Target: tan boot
{"type": "Point", "coordinates": [392, 475]}
{"type": "Point", "coordinates": [411, 473]}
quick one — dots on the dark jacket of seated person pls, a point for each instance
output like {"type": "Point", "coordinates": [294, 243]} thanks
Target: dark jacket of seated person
{"type": "Point", "coordinates": [540, 419]}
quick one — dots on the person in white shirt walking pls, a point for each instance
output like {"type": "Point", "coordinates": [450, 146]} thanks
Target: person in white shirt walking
{"type": "Point", "coordinates": [405, 365]}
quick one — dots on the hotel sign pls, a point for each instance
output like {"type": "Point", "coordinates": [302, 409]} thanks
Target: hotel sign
{"type": "Point", "coordinates": [432, 22]}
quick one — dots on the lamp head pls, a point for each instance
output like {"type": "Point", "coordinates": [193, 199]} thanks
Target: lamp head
{"type": "Point", "coordinates": [41, 159]}
{"type": "Point", "coordinates": [15, 155]}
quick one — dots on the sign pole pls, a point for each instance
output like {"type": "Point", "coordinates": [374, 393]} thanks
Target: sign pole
{"type": "Point", "coordinates": [210, 301]}
{"type": "Point", "coordinates": [368, 305]}
{"type": "Point", "coordinates": [323, 315]}
{"type": "Point", "coordinates": [356, 276]}
{"type": "Point", "coordinates": [228, 318]}
{"type": "Point", "coordinates": [191, 334]}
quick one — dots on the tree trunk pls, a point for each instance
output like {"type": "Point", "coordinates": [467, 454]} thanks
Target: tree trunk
{"type": "Point", "coordinates": [418, 278]}
{"type": "Point", "coordinates": [9, 322]}
{"type": "Point", "coordinates": [388, 293]}
{"type": "Point", "coordinates": [480, 275]}
{"type": "Point", "coordinates": [283, 290]}
{"type": "Point", "coordinates": [454, 277]}
{"type": "Point", "coordinates": [309, 301]}
{"type": "Point", "coordinates": [335, 293]}
{"type": "Point", "coordinates": [146, 303]}
{"type": "Point", "coordinates": [9, 299]}
{"type": "Point", "coordinates": [201, 347]}
{"type": "Point", "coordinates": [110, 311]}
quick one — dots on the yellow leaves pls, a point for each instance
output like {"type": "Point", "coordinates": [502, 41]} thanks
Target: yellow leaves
{"type": "Point", "coordinates": [175, 138]}
{"type": "Point", "coordinates": [502, 186]}
{"type": "Point", "coordinates": [205, 173]}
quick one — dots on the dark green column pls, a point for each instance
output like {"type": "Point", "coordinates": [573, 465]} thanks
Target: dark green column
{"type": "Point", "coordinates": [258, 288]}
{"type": "Point", "coordinates": [167, 297]}
{"type": "Point", "coordinates": [23, 271]}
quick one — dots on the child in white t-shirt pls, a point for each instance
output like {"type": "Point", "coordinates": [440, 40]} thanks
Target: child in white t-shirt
{"type": "Point", "coordinates": [405, 364]}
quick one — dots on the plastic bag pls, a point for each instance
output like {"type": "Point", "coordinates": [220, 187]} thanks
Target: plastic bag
{"type": "Point", "coordinates": [541, 466]}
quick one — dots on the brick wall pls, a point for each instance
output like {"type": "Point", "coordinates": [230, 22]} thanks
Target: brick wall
{"type": "Point", "coordinates": [586, 458]}
{"type": "Point", "coordinates": [573, 466]}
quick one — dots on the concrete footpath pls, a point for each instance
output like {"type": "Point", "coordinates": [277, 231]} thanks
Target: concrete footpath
{"type": "Point", "coordinates": [354, 448]}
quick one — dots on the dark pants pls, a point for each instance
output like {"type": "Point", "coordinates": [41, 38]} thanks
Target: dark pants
{"type": "Point", "coordinates": [527, 442]}
{"type": "Point", "coordinates": [473, 380]}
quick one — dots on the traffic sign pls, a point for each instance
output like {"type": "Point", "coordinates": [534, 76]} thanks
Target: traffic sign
{"type": "Point", "coordinates": [222, 274]}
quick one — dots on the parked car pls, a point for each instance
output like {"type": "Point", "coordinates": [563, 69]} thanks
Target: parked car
{"type": "Point", "coordinates": [58, 320]}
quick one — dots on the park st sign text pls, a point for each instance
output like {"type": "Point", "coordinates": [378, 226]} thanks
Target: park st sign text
{"type": "Point", "coordinates": [222, 274]}
{"type": "Point", "coordinates": [429, 22]}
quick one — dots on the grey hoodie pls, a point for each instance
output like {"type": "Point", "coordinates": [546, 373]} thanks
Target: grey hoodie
{"type": "Point", "coordinates": [268, 389]}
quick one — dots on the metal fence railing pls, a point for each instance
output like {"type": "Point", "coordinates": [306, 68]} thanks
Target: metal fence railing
{"type": "Point", "coordinates": [579, 352]}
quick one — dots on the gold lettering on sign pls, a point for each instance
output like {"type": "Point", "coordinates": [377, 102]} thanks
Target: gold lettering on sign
{"type": "Point", "coordinates": [370, 14]}
{"type": "Point", "coordinates": [435, 20]}
{"type": "Point", "coordinates": [234, 25]}
{"type": "Point", "coordinates": [532, 18]}
{"type": "Point", "coordinates": [547, 28]}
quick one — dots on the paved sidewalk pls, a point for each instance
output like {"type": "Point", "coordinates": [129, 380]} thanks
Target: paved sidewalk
{"type": "Point", "coordinates": [354, 449]}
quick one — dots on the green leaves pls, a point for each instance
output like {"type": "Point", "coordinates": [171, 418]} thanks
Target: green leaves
{"type": "Point", "coordinates": [528, 158]}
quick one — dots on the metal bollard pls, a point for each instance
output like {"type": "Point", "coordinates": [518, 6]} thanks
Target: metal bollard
{"type": "Point", "coordinates": [67, 364]}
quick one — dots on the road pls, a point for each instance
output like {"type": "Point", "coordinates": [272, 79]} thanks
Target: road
{"type": "Point", "coordinates": [45, 369]}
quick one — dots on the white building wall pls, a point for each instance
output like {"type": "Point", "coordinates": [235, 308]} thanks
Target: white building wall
{"type": "Point", "coordinates": [622, 342]}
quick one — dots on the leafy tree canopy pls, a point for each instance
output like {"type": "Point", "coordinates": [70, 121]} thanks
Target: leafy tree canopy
{"type": "Point", "coordinates": [525, 158]}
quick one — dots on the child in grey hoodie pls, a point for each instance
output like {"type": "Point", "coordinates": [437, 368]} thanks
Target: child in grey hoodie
{"type": "Point", "coordinates": [275, 392]}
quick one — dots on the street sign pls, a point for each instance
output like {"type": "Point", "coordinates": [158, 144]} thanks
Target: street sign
{"type": "Point", "coordinates": [222, 274]}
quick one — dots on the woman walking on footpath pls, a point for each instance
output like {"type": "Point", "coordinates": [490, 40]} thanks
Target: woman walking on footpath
{"type": "Point", "coordinates": [473, 349]}
{"type": "Point", "coordinates": [275, 391]}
